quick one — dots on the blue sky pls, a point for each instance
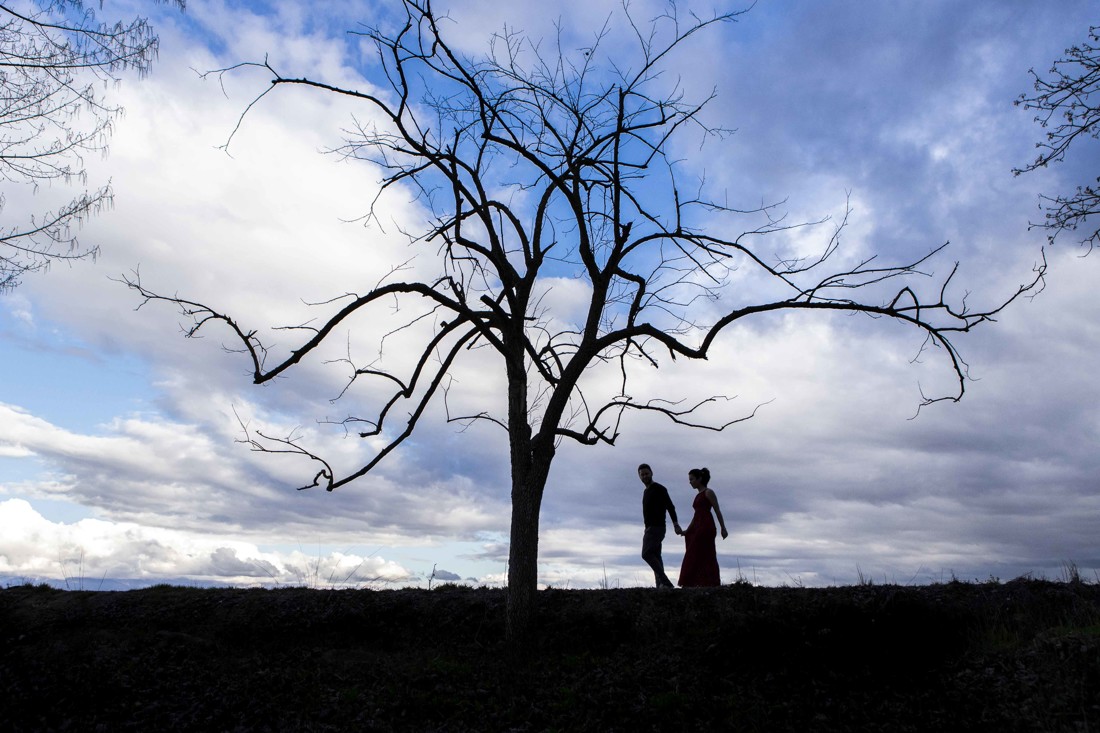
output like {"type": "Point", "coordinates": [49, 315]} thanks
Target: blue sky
{"type": "Point", "coordinates": [118, 438]}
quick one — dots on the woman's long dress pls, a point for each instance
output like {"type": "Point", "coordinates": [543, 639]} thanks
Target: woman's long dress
{"type": "Point", "coordinates": [700, 566]}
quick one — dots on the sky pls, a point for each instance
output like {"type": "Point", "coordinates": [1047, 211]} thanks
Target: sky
{"type": "Point", "coordinates": [121, 461]}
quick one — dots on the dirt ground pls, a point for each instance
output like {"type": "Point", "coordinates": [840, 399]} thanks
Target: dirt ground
{"type": "Point", "coordinates": [1017, 656]}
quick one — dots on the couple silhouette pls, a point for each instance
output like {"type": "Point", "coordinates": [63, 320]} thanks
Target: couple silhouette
{"type": "Point", "coordinates": [700, 565]}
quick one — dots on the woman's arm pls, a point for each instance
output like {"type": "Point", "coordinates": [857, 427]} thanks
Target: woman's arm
{"type": "Point", "coordinates": [713, 499]}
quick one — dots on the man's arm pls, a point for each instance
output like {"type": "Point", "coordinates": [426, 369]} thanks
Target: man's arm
{"type": "Point", "coordinates": [671, 511]}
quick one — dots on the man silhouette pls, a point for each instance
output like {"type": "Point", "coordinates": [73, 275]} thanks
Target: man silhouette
{"type": "Point", "coordinates": [655, 502]}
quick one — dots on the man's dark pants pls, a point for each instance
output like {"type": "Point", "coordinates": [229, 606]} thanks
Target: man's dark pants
{"type": "Point", "coordinates": [651, 553]}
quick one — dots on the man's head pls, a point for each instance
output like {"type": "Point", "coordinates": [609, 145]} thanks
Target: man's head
{"type": "Point", "coordinates": [645, 473]}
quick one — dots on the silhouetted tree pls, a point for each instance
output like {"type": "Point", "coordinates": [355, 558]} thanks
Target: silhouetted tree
{"type": "Point", "coordinates": [56, 59]}
{"type": "Point", "coordinates": [539, 163]}
{"type": "Point", "coordinates": [1068, 106]}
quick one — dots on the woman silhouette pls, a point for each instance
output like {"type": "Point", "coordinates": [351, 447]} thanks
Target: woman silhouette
{"type": "Point", "coordinates": [700, 566]}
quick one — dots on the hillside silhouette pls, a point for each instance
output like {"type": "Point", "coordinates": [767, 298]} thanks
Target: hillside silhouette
{"type": "Point", "coordinates": [1017, 656]}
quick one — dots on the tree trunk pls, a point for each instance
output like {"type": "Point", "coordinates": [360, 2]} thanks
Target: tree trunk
{"type": "Point", "coordinates": [531, 457]}
{"type": "Point", "coordinates": [523, 556]}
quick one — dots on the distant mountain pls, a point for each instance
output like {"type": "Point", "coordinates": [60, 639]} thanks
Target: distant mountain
{"type": "Point", "coordinates": [9, 581]}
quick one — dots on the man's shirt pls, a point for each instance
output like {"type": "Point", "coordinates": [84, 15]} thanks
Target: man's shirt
{"type": "Point", "coordinates": [655, 502]}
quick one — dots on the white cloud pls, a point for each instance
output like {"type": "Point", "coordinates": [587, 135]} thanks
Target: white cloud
{"type": "Point", "coordinates": [89, 551]}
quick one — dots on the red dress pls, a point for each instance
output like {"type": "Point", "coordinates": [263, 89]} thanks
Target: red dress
{"type": "Point", "coordinates": [700, 567]}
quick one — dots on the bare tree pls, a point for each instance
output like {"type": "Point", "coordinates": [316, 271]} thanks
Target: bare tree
{"type": "Point", "coordinates": [1068, 107]}
{"type": "Point", "coordinates": [56, 59]}
{"type": "Point", "coordinates": [537, 162]}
